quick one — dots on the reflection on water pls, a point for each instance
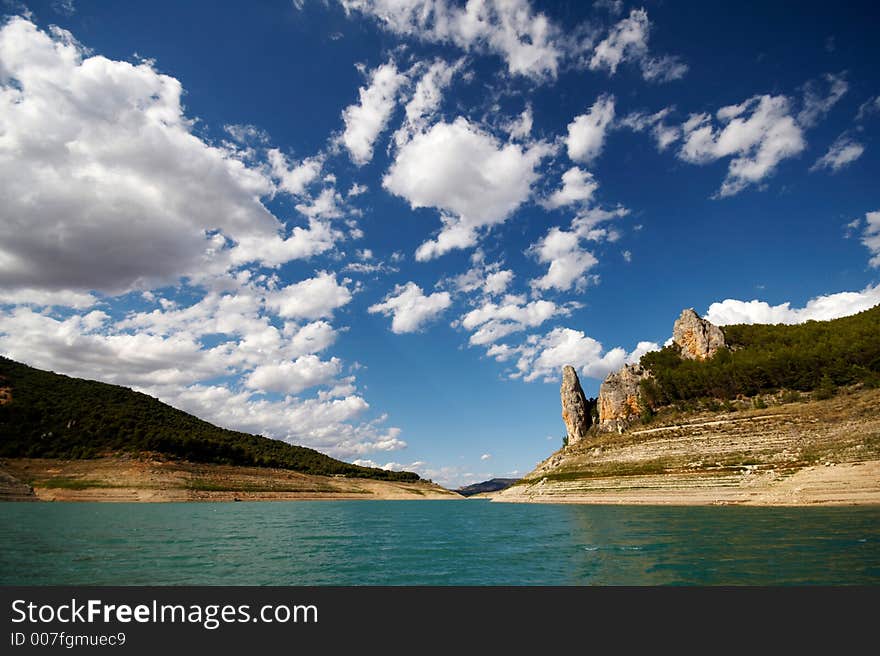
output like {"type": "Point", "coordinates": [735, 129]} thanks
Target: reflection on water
{"type": "Point", "coordinates": [435, 543]}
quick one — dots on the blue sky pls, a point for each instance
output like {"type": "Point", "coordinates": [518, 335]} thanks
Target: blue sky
{"type": "Point", "coordinates": [380, 229]}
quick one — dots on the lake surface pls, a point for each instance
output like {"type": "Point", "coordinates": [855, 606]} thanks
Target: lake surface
{"type": "Point", "coordinates": [434, 543]}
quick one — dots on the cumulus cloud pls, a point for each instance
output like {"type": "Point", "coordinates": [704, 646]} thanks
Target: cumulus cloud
{"type": "Point", "coordinates": [568, 261]}
{"type": "Point", "coordinates": [757, 135]}
{"type": "Point", "coordinates": [293, 178]}
{"type": "Point", "coordinates": [293, 376]}
{"type": "Point", "coordinates": [410, 308]}
{"type": "Point", "coordinates": [844, 151]}
{"type": "Point", "coordinates": [578, 186]}
{"type": "Point", "coordinates": [586, 132]}
{"type": "Point", "coordinates": [314, 298]}
{"type": "Point", "coordinates": [527, 40]}
{"type": "Point", "coordinates": [162, 353]}
{"type": "Point", "coordinates": [493, 320]}
{"type": "Point", "coordinates": [820, 308]}
{"type": "Point", "coordinates": [542, 357]}
{"type": "Point", "coordinates": [367, 119]}
{"type": "Point", "coordinates": [100, 151]}
{"type": "Point", "coordinates": [563, 250]}
{"type": "Point", "coordinates": [486, 278]}
{"type": "Point", "coordinates": [628, 41]}
{"type": "Point", "coordinates": [464, 172]}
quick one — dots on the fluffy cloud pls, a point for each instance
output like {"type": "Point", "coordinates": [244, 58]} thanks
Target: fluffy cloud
{"type": "Point", "coordinates": [565, 254]}
{"type": "Point", "coordinates": [314, 298]}
{"type": "Point", "coordinates": [528, 41]}
{"type": "Point", "coordinates": [757, 134]}
{"type": "Point", "coordinates": [845, 150]}
{"type": "Point", "coordinates": [293, 376]}
{"type": "Point", "coordinates": [578, 186]}
{"type": "Point", "coordinates": [628, 41]}
{"type": "Point", "coordinates": [100, 151]}
{"type": "Point", "coordinates": [410, 308]}
{"type": "Point", "coordinates": [491, 321]}
{"type": "Point", "coordinates": [163, 353]}
{"type": "Point", "coordinates": [871, 236]}
{"type": "Point", "coordinates": [366, 120]}
{"type": "Point", "coordinates": [468, 175]}
{"type": "Point", "coordinates": [544, 356]}
{"type": "Point", "coordinates": [586, 133]}
{"type": "Point", "coordinates": [821, 308]}
{"type": "Point", "coordinates": [568, 261]}
{"type": "Point", "coordinates": [486, 278]}
{"type": "Point", "coordinates": [294, 179]}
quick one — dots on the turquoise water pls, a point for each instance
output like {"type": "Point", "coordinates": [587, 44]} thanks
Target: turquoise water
{"type": "Point", "coordinates": [434, 543]}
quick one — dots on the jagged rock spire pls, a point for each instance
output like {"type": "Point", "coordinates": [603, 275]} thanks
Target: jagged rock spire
{"type": "Point", "coordinates": [575, 412]}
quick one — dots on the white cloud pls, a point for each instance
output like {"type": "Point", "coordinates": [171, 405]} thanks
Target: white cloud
{"type": "Point", "coordinates": [410, 308]}
{"type": "Point", "coordinates": [815, 105]}
{"type": "Point", "coordinates": [100, 151]}
{"type": "Point", "coordinates": [314, 298]}
{"type": "Point", "coordinates": [820, 308]}
{"type": "Point", "coordinates": [563, 251]}
{"type": "Point", "coordinates": [568, 261]}
{"type": "Point", "coordinates": [628, 41]}
{"type": "Point", "coordinates": [521, 127]}
{"type": "Point", "coordinates": [491, 321]}
{"type": "Point", "coordinates": [327, 205]}
{"type": "Point", "coordinates": [464, 172]}
{"type": "Point", "coordinates": [664, 135]}
{"type": "Point", "coordinates": [426, 98]}
{"type": "Point", "coordinates": [845, 150]}
{"type": "Point", "coordinates": [663, 69]}
{"type": "Point", "coordinates": [293, 376]}
{"type": "Point", "coordinates": [161, 353]}
{"type": "Point", "coordinates": [586, 132]}
{"type": "Point", "coordinates": [486, 456]}
{"type": "Point", "coordinates": [544, 356]}
{"type": "Point", "coordinates": [487, 278]}
{"type": "Point", "coordinates": [43, 298]}
{"type": "Point", "coordinates": [757, 134]}
{"type": "Point", "coordinates": [293, 179]}
{"type": "Point", "coordinates": [871, 236]}
{"type": "Point", "coordinates": [578, 186]}
{"type": "Point", "coordinates": [367, 119]}
{"type": "Point", "coordinates": [527, 41]}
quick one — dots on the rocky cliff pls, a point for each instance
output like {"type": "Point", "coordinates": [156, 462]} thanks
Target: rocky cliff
{"type": "Point", "coordinates": [698, 338]}
{"type": "Point", "coordinates": [619, 404]}
{"type": "Point", "coordinates": [575, 411]}
{"type": "Point", "coordinates": [619, 398]}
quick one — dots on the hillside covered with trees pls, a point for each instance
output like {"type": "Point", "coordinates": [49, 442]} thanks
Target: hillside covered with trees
{"type": "Point", "coordinates": [816, 356]}
{"type": "Point", "coordinates": [48, 415]}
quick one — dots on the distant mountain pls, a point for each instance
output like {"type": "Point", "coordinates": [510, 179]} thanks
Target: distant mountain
{"type": "Point", "coordinates": [492, 485]}
{"type": "Point", "coordinates": [48, 415]}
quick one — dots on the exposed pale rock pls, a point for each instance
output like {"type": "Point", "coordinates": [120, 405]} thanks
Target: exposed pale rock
{"type": "Point", "coordinates": [619, 398]}
{"type": "Point", "coordinates": [575, 412]}
{"type": "Point", "coordinates": [699, 339]}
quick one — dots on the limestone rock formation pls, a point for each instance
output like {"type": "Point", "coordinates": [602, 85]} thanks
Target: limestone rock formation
{"type": "Point", "coordinates": [699, 339]}
{"type": "Point", "coordinates": [619, 398]}
{"type": "Point", "coordinates": [575, 412]}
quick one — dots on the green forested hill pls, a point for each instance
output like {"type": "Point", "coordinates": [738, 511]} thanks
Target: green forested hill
{"type": "Point", "coordinates": [55, 416]}
{"type": "Point", "coordinates": [816, 355]}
